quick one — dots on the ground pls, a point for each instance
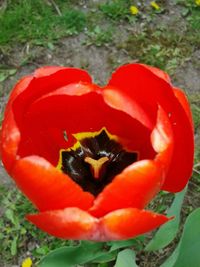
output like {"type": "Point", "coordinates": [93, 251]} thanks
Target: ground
{"type": "Point", "coordinates": [103, 37]}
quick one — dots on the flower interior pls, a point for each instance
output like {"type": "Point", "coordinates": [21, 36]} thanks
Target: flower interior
{"type": "Point", "coordinates": [124, 143]}
{"type": "Point", "coordinates": [95, 159]}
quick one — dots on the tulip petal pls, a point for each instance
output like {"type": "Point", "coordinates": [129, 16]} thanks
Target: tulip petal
{"type": "Point", "coordinates": [117, 100]}
{"type": "Point", "coordinates": [61, 110]}
{"type": "Point", "coordinates": [184, 102]}
{"type": "Point", "coordinates": [73, 223]}
{"type": "Point", "coordinates": [134, 187]}
{"type": "Point", "coordinates": [129, 223]}
{"type": "Point", "coordinates": [47, 187]}
{"type": "Point", "coordinates": [18, 89]}
{"type": "Point", "coordinates": [145, 178]}
{"type": "Point", "coordinates": [48, 79]}
{"type": "Point", "coordinates": [9, 140]}
{"type": "Point", "coordinates": [46, 84]}
{"type": "Point", "coordinates": [24, 82]}
{"type": "Point", "coordinates": [147, 93]}
{"type": "Point", "coordinates": [160, 73]}
{"type": "Point", "coordinates": [162, 140]}
{"type": "Point", "coordinates": [44, 80]}
{"type": "Point", "coordinates": [10, 135]}
{"type": "Point", "coordinates": [70, 223]}
{"type": "Point", "coordinates": [46, 71]}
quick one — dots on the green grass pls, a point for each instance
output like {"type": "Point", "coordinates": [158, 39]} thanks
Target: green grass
{"type": "Point", "coordinates": [35, 20]}
{"type": "Point", "coordinates": [161, 48]}
{"type": "Point", "coordinates": [17, 234]}
{"type": "Point", "coordinates": [116, 9]}
{"type": "Point", "coordinates": [196, 115]}
{"type": "Point", "coordinates": [99, 36]}
{"type": "Point", "coordinates": [194, 19]}
{"type": "Point", "coordinates": [195, 106]}
{"type": "Point", "coordinates": [192, 13]}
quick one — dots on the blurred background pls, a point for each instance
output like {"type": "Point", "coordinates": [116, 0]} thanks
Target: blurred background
{"type": "Point", "coordinates": [98, 36]}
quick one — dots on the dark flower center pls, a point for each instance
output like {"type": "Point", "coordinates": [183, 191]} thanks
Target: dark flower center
{"type": "Point", "coordinates": [94, 161]}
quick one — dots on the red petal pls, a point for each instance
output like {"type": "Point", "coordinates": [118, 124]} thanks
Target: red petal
{"type": "Point", "coordinates": [9, 140]}
{"type": "Point", "coordinates": [129, 223]}
{"type": "Point", "coordinates": [24, 83]}
{"type": "Point", "coordinates": [147, 89]}
{"type": "Point", "coordinates": [18, 89]}
{"type": "Point", "coordinates": [74, 114]}
{"type": "Point", "coordinates": [54, 78]}
{"type": "Point", "coordinates": [160, 73]}
{"type": "Point", "coordinates": [47, 187]}
{"type": "Point", "coordinates": [117, 100]}
{"type": "Point", "coordinates": [184, 102]}
{"type": "Point", "coordinates": [134, 187]}
{"type": "Point", "coordinates": [26, 90]}
{"type": "Point", "coordinates": [10, 135]}
{"type": "Point", "coordinates": [186, 152]}
{"type": "Point", "coordinates": [73, 223]}
{"type": "Point", "coordinates": [70, 223]}
{"type": "Point", "coordinates": [140, 182]}
{"type": "Point", "coordinates": [41, 85]}
{"type": "Point", "coordinates": [163, 140]}
{"type": "Point", "coordinates": [47, 70]}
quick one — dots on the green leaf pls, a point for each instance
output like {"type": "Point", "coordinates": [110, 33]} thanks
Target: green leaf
{"type": "Point", "coordinates": [126, 258]}
{"type": "Point", "coordinates": [10, 215]}
{"type": "Point", "coordinates": [73, 255]}
{"type": "Point", "coordinates": [187, 252]}
{"type": "Point", "coordinates": [168, 231]}
{"type": "Point", "coordinates": [172, 259]}
{"type": "Point", "coordinates": [115, 246]}
{"type": "Point", "coordinates": [13, 248]}
{"type": "Point", "coordinates": [5, 73]}
{"type": "Point", "coordinates": [50, 46]}
{"type": "Point", "coordinates": [106, 257]}
{"type": "Point", "coordinates": [103, 265]}
{"type": "Point", "coordinates": [122, 244]}
{"type": "Point", "coordinates": [85, 252]}
{"type": "Point", "coordinates": [42, 250]}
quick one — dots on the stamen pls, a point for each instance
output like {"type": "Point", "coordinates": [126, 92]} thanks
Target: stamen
{"type": "Point", "coordinates": [96, 165]}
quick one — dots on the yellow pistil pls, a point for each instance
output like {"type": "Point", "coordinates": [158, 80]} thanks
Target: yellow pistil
{"type": "Point", "coordinates": [134, 10]}
{"type": "Point", "coordinates": [197, 2]}
{"type": "Point", "coordinates": [155, 5]}
{"type": "Point", "coordinates": [96, 165]}
{"type": "Point", "coordinates": [27, 262]}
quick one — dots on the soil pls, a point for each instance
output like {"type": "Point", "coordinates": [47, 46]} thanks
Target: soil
{"type": "Point", "coordinates": [188, 76]}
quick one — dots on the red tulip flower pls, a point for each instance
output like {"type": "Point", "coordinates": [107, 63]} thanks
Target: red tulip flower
{"type": "Point", "coordinates": [91, 158]}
